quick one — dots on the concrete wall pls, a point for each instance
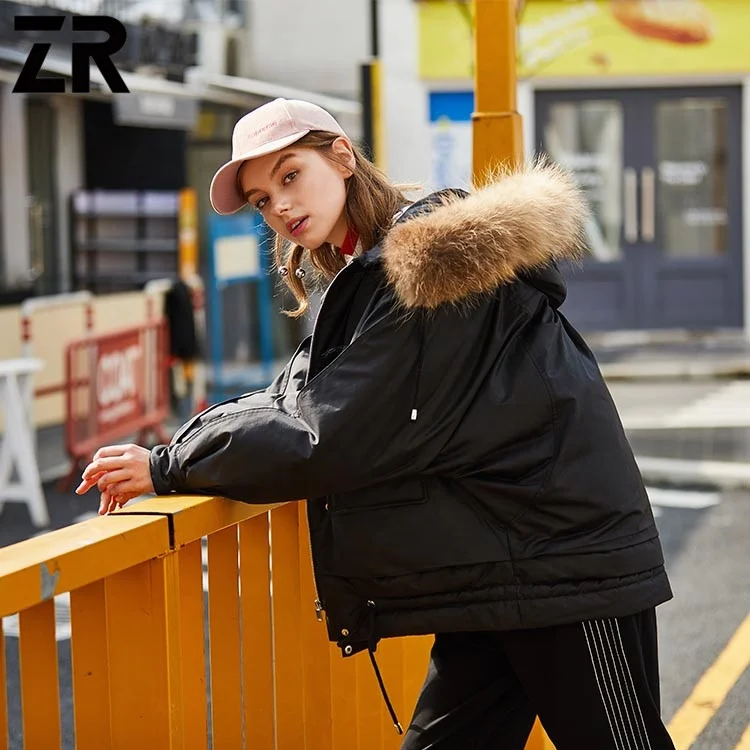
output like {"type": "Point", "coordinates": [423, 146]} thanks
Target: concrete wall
{"type": "Point", "coordinates": [69, 152]}
{"type": "Point", "coordinates": [405, 98]}
{"type": "Point", "coordinates": [746, 200]}
{"type": "Point", "coordinates": [309, 45]}
{"type": "Point", "coordinates": [14, 189]}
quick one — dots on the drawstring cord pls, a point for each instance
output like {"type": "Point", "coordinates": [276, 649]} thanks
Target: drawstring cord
{"type": "Point", "coordinates": [391, 711]}
{"type": "Point", "coordinates": [420, 356]}
{"type": "Point", "coordinates": [372, 645]}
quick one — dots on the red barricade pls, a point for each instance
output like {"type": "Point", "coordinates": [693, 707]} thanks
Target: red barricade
{"type": "Point", "coordinates": [116, 386]}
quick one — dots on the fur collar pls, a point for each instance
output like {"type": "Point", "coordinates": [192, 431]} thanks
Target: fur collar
{"type": "Point", "coordinates": [467, 246]}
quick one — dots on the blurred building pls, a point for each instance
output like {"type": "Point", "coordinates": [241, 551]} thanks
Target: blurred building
{"type": "Point", "coordinates": [193, 67]}
{"type": "Point", "coordinates": [646, 101]}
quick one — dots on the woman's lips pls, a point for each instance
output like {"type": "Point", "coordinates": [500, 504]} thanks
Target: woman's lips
{"type": "Point", "coordinates": [298, 226]}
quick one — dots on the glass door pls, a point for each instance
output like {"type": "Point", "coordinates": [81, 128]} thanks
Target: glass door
{"type": "Point", "coordinates": [586, 133]}
{"type": "Point", "coordinates": [690, 221]}
{"type": "Point", "coordinates": [662, 172]}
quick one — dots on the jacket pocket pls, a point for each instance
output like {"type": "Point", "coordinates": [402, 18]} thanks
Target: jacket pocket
{"type": "Point", "coordinates": [383, 497]}
{"type": "Point", "coordinates": [417, 526]}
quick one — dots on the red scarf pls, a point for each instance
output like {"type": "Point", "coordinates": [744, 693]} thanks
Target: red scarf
{"type": "Point", "coordinates": [350, 243]}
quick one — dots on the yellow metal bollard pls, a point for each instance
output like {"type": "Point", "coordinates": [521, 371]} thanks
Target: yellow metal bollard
{"type": "Point", "coordinates": [497, 134]}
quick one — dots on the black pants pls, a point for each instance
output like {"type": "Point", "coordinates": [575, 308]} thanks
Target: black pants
{"type": "Point", "coordinates": [594, 686]}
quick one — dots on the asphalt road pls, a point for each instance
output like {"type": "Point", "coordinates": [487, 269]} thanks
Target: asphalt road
{"type": "Point", "coordinates": [709, 566]}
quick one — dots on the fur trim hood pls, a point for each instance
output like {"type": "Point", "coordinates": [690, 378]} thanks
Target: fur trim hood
{"type": "Point", "coordinates": [457, 247]}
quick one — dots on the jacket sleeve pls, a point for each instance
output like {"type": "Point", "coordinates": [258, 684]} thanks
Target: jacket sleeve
{"type": "Point", "coordinates": [352, 425]}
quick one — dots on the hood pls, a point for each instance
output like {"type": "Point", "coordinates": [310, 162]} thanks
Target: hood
{"type": "Point", "coordinates": [453, 246]}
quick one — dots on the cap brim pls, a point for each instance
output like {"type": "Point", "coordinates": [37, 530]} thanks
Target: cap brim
{"type": "Point", "coordinates": [224, 195]}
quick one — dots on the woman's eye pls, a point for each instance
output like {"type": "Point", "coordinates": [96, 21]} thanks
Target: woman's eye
{"type": "Point", "coordinates": [290, 176]}
{"type": "Point", "coordinates": [261, 203]}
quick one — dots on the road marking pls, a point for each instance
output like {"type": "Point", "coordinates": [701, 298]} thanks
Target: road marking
{"type": "Point", "coordinates": [708, 695]}
{"type": "Point", "coordinates": [723, 474]}
{"type": "Point", "coordinates": [673, 498]}
{"type": "Point", "coordinates": [726, 406]}
{"type": "Point", "coordinates": [744, 743]}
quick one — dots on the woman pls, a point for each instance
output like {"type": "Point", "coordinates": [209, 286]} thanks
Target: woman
{"type": "Point", "coordinates": [465, 468]}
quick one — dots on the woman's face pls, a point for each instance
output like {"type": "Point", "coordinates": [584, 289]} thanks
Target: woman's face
{"type": "Point", "coordinates": [300, 193]}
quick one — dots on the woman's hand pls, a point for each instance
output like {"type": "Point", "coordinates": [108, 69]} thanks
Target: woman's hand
{"type": "Point", "coordinates": [121, 472]}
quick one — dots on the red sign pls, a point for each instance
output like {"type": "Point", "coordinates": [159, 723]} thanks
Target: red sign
{"type": "Point", "coordinates": [116, 387]}
{"type": "Point", "coordinates": [119, 379]}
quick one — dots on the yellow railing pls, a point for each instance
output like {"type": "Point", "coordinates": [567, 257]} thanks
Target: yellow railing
{"type": "Point", "coordinates": [140, 625]}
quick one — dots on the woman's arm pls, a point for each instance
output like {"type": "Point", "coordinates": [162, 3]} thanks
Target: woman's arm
{"type": "Point", "coordinates": [352, 425]}
{"type": "Point", "coordinates": [123, 472]}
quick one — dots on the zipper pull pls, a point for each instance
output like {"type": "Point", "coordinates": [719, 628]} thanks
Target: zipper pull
{"type": "Point", "coordinates": [318, 611]}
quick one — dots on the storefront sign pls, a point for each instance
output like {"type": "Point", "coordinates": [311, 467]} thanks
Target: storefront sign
{"type": "Point", "coordinates": [451, 133]}
{"type": "Point", "coordinates": [596, 38]}
{"type": "Point", "coordinates": [155, 110]}
{"type": "Point", "coordinates": [686, 173]}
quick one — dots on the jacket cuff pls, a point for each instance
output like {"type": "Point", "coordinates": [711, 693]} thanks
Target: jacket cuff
{"type": "Point", "coordinates": [165, 472]}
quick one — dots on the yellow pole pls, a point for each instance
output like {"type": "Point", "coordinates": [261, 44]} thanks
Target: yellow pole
{"type": "Point", "coordinates": [188, 234]}
{"type": "Point", "coordinates": [497, 133]}
{"type": "Point", "coordinates": [378, 129]}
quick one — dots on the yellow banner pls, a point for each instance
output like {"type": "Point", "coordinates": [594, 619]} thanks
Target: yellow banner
{"type": "Point", "coordinates": [597, 37]}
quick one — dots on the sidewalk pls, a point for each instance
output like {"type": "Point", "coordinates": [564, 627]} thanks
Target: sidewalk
{"type": "Point", "coordinates": [691, 458]}
{"type": "Point", "coordinates": [639, 355]}
{"type": "Point", "coordinates": [684, 398]}
{"type": "Point", "coordinates": [688, 432]}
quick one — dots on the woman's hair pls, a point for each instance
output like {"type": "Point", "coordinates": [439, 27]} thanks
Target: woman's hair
{"type": "Point", "coordinates": [371, 202]}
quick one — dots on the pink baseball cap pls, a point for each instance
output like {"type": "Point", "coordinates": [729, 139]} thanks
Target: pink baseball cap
{"type": "Point", "coordinates": [269, 128]}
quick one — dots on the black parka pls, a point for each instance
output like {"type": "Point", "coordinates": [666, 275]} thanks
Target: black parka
{"type": "Point", "coordinates": [464, 465]}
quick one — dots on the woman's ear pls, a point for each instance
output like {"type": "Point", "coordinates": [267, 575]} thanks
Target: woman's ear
{"type": "Point", "coordinates": [344, 153]}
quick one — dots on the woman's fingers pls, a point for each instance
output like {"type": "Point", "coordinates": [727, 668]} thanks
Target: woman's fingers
{"type": "Point", "coordinates": [94, 471]}
{"type": "Point", "coordinates": [109, 451]}
{"type": "Point", "coordinates": [113, 477]}
{"type": "Point", "coordinates": [118, 495]}
{"type": "Point", "coordinates": [87, 484]}
{"type": "Point", "coordinates": [100, 465]}
{"type": "Point", "coordinates": [126, 491]}
{"type": "Point", "coordinates": [110, 502]}
{"type": "Point", "coordinates": [121, 473]}
{"type": "Point", "coordinates": [104, 500]}
{"type": "Point", "coordinates": [131, 458]}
